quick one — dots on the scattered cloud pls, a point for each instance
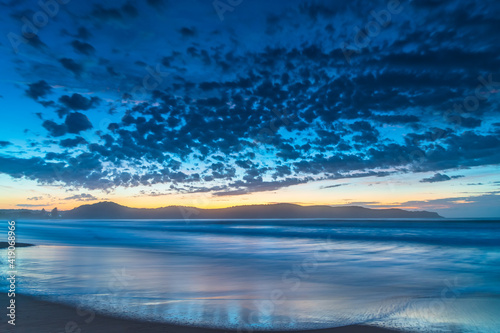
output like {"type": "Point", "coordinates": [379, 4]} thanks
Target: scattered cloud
{"type": "Point", "coordinates": [83, 48]}
{"type": "Point", "coordinates": [333, 186]}
{"type": "Point", "coordinates": [5, 144]}
{"type": "Point", "coordinates": [38, 89]}
{"type": "Point", "coordinates": [438, 177]}
{"type": "Point", "coordinates": [82, 197]}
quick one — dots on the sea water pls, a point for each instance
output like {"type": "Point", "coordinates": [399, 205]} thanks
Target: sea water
{"type": "Point", "coordinates": [417, 276]}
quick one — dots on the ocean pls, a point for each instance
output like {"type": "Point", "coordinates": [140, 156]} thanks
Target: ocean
{"type": "Point", "coordinates": [417, 276]}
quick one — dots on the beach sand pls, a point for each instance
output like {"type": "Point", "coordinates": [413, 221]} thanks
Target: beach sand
{"type": "Point", "coordinates": [38, 316]}
{"type": "Point", "coordinates": [4, 245]}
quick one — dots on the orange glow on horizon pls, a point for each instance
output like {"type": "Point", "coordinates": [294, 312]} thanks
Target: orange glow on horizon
{"type": "Point", "coordinates": [399, 191]}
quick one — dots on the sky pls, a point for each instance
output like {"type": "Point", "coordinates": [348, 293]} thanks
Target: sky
{"type": "Point", "coordinates": [380, 104]}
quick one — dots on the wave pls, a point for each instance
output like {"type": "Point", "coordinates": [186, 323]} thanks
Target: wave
{"type": "Point", "coordinates": [151, 232]}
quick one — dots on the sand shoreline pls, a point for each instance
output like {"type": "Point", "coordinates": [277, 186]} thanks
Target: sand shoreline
{"type": "Point", "coordinates": [4, 245]}
{"type": "Point", "coordinates": [38, 316]}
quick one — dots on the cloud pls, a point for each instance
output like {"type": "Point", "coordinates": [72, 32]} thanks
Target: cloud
{"type": "Point", "coordinates": [79, 102]}
{"type": "Point", "coordinates": [470, 122]}
{"type": "Point", "coordinates": [77, 122]}
{"type": "Point", "coordinates": [187, 32]}
{"type": "Point", "coordinates": [30, 205]}
{"type": "Point", "coordinates": [54, 128]}
{"type": "Point", "coordinates": [72, 66]}
{"type": "Point", "coordinates": [38, 89]}
{"type": "Point", "coordinates": [83, 48]}
{"type": "Point", "coordinates": [83, 170]}
{"type": "Point", "coordinates": [333, 186]}
{"type": "Point", "coordinates": [479, 205]}
{"type": "Point", "coordinates": [72, 143]}
{"type": "Point", "coordinates": [397, 119]}
{"type": "Point", "coordinates": [4, 144]}
{"type": "Point", "coordinates": [362, 203]}
{"type": "Point", "coordinates": [37, 43]}
{"type": "Point", "coordinates": [82, 197]}
{"type": "Point", "coordinates": [152, 194]}
{"type": "Point", "coordinates": [317, 10]}
{"type": "Point", "coordinates": [83, 33]}
{"type": "Point", "coordinates": [106, 14]}
{"type": "Point", "coordinates": [258, 185]}
{"type": "Point", "coordinates": [158, 4]}
{"type": "Point", "coordinates": [130, 9]}
{"type": "Point", "coordinates": [438, 177]}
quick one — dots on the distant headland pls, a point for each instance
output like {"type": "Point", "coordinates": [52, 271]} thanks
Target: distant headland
{"type": "Point", "coordinates": [111, 210]}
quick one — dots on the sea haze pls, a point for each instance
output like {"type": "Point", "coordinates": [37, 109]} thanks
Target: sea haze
{"type": "Point", "coordinates": [415, 275]}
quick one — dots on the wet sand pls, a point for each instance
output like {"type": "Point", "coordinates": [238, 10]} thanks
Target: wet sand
{"type": "Point", "coordinates": [4, 245]}
{"type": "Point", "coordinates": [38, 316]}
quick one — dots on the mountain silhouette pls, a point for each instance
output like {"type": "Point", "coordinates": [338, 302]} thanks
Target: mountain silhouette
{"type": "Point", "coordinates": [111, 210]}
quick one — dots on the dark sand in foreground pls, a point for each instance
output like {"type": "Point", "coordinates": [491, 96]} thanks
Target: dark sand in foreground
{"type": "Point", "coordinates": [37, 316]}
{"type": "Point", "coordinates": [4, 245]}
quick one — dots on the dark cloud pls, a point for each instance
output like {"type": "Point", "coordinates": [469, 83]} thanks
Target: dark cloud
{"type": "Point", "coordinates": [333, 186]}
{"type": "Point", "coordinates": [396, 119]}
{"type": "Point", "coordinates": [36, 42]}
{"type": "Point", "coordinates": [72, 66]}
{"type": "Point", "coordinates": [79, 102]}
{"type": "Point", "coordinates": [106, 14]}
{"type": "Point", "coordinates": [187, 32]}
{"type": "Point", "coordinates": [77, 122]}
{"type": "Point", "coordinates": [258, 185]}
{"type": "Point", "coordinates": [129, 9]}
{"type": "Point", "coordinates": [84, 170]}
{"type": "Point", "coordinates": [438, 177]}
{"type": "Point", "coordinates": [38, 89]}
{"type": "Point", "coordinates": [317, 10]}
{"type": "Point", "coordinates": [72, 143]}
{"type": "Point", "coordinates": [158, 4]}
{"type": "Point", "coordinates": [54, 128]}
{"type": "Point", "coordinates": [83, 33]}
{"type": "Point", "coordinates": [83, 48]}
{"type": "Point", "coordinates": [4, 144]}
{"type": "Point", "coordinates": [470, 122]}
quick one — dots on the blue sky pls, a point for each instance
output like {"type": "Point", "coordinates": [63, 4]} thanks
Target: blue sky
{"type": "Point", "coordinates": [151, 103]}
